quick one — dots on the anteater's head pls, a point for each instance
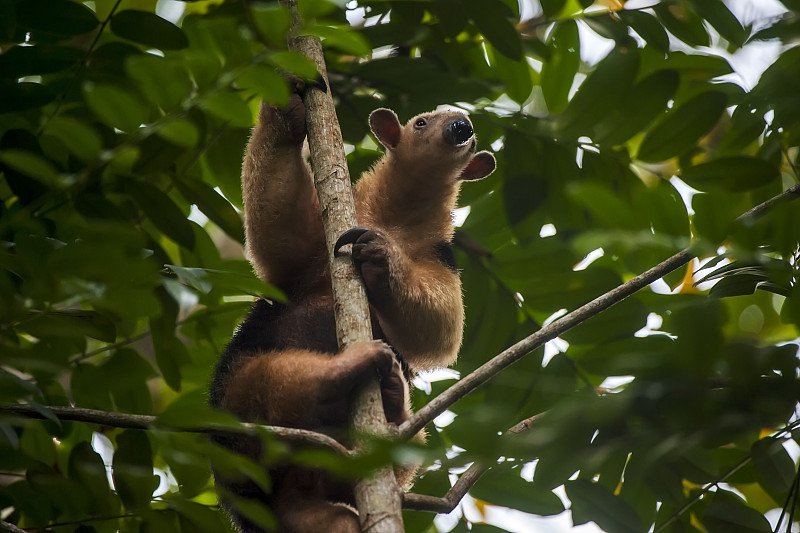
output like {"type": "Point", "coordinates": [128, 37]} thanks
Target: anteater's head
{"type": "Point", "coordinates": [442, 142]}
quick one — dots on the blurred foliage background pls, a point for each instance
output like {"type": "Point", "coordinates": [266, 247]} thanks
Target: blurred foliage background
{"type": "Point", "coordinates": [622, 133]}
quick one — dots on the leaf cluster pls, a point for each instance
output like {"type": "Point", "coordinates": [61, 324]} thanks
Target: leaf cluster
{"type": "Point", "coordinates": [122, 275]}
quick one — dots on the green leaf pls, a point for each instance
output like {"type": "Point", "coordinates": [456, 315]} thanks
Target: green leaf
{"type": "Point", "coordinates": [647, 26]}
{"type": "Point", "coordinates": [181, 132]}
{"type": "Point", "coordinates": [60, 18]}
{"type": "Point", "coordinates": [272, 22]}
{"type": "Point", "coordinates": [719, 16]}
{"type": "Point", "coordinates": [773, 463]}
{"type": "Point", "coordinates": [214, 206]}
{"type": "Point", "coordinates": [165, 83]}
{"type": "Point", "coordinates": [205, 280]}
{"type": "Point", "coordinates": [41, 59]}
{"type": "Point", "coordinates": [296, 63]}
{"type": "Point", "coordinates": [162, 211]}
{"type": "Point", "coordinates": [191, 410]}
{"type": "Point", "coordinates": [133, 470]}
{"type": "Point", "coordinates": [730, 174]}
{"type": "Point", "coordinates": [559, 72]}
{"type": "Point", "coordinates": [87, 469]}
{"type": "Point", "coordinates": [31, 165]}
{"type": "Point", "coordinates": [727, 516]}
{"type": "Point", "coordinates": [683, 22]}
{"type": "Point", "coordinates": [127, 374]}
{"type": "Point", "coordinates": [592, 502]}
{"type": "Point", "coordinates": [23, 96]}
{"type": "Point", "coordinates": [38, 444]}
{"type": "Point", "coordinates": [229, 107]}
{"type": "Point", "coordinates": [492, 22]}
{"type": "Point", "coordinates": [341, 37]}
{"type": "Point", "coordinates": [266, 83]}
{"type": "Point", "coordinates": [115, 106]}
{"type": "Point", "coordinates": [148, 29]}
{"type": "Point", "coordinates": [8, 20]}
{"type": "Point", "coordinates": [645, 101]}
{"type": "Point", "coordinates": [78, 137]}
{"type": "Point", "coordinates": [607, 85]}
{"type": "Point", "coordinates": [74, 323]}
{"type": "Point", "coordinates": [683, 127]}
{"type": "Point", "coordinates": [552, 8]}
{"type": "Point", "coordinates": [505, 487]}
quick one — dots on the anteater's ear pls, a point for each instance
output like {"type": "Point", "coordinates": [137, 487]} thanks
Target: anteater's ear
{"type": "Point", "coordinates": [481, 165]}
{"type": "Point", "coordinates": [386, 127]}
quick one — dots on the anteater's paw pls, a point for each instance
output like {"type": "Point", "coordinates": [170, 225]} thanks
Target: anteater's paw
{"type": "Point", "coordinates": [372, 252]}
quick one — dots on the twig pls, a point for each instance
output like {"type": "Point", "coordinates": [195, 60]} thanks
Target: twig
{"type": "Point", "coordinates": [448, 502]}
{"type": "Point", "coordinates": [511, 355]}
{"type": "Point", "coordinates": [132, 421]}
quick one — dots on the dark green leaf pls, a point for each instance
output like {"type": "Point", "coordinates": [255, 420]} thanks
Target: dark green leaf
{"type": "Point", "coordinates": [601, 91]}
{"type": "Point", "coordinates": [683, 127]}
{"type": "Point", "coordinates": [214, 206]}
{"type": "Point", "coordinates": [55, 17]}
{"type": "Point", "coordinates": [31, 165]}
{"type": "Point", "coordinates": [72, 323]}
{"type": "Point", "coordinates": [23, 96]}
{"type": "Point", "coordinates": [41, 59]}
{"type": "Point", "coordinates": [559, 72]}
{"type": "Point", "coordinates": [115, 106]}
{"type": "Point", "coordinates": [228, 106]}
{"type": "Point", "coordinates": [506, 488]}
{"type": "Point", "coordinates": [492, 22]}
{"type": "Point", "coordinates": [719, 16]}
{"type": "Point", "coordinates": [728, 516]}
{"type": "Point", "coordinates": [181, 132]}
{"type": "Point", "coordinates": [730, 174]}
{"type": "Point", "coordinates": [133, 469]}
{"type": "Point", "coordinates": [162, 81]}
{"type": "Point", "coordinates": [774, 464]}
{"type": "Point", "coordinates": [341, 37]}
{"type": "Point", "coordinates": [148, 29]}
{"type": "Point", "coordinates": [191, 410]}
{"type": "Point", "coordinates": [647, 26]}
{"type": "Point", "coordinates": [272, 22]}
{"type": "Point", "coordinates": [639, 107]}
{"type": "Point", "coordinates": [683, 23]}
{"type": "Point", "coordinates": [592, 502]}
{"type": "Point", "coordinates": [266, 83]}
{"type": "Point", "coordinates": [162, 211]}
{"type": "Point", "coordinates": [78, 137]}
{"type": "Point", "coordinates": [296, 63]}
{"type": "Point", "coordinates": [86, 468]}
{"type": "Point", "coordinates": [552, 8]}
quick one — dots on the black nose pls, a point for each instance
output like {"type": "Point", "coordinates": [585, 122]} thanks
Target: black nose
{"type": "Point", "coordinates": [459, 131]}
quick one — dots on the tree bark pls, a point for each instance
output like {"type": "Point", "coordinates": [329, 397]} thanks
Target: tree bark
{"type": "Point", "coordinates": [378, 498]}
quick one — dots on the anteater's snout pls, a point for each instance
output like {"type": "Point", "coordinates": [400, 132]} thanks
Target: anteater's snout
{"type": "Point", "coordinates": [459, 131]}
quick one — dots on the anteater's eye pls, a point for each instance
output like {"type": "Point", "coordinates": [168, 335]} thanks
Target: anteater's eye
{"type": "Point", "coordinates": [420, 123]}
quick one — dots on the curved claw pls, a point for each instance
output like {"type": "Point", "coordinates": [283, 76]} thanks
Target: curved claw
{"type": "Point", "coordinates": [348, 237]}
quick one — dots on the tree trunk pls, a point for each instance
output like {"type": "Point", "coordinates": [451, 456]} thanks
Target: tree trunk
{"type": "Point", "coordinates": [378, 498]}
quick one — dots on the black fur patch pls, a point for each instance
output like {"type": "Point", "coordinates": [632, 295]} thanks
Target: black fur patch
{"type": "Point", "coordinates": [444, 252]}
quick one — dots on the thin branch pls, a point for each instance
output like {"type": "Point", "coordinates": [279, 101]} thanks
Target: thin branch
{"type": "Point", "coordinates": [697, 497]}
{"type": "Point", "coordinates": [6, 526]}
{"type": "Point", "coordinates": [448, 502]}
{"type": "Point", "coordinates": [513, 354]}
{"type": "Point", "coordinates": [132, 421]}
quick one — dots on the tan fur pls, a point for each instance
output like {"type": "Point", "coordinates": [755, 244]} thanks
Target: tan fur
{"type": "Point", "coordinates": [407, 198]}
